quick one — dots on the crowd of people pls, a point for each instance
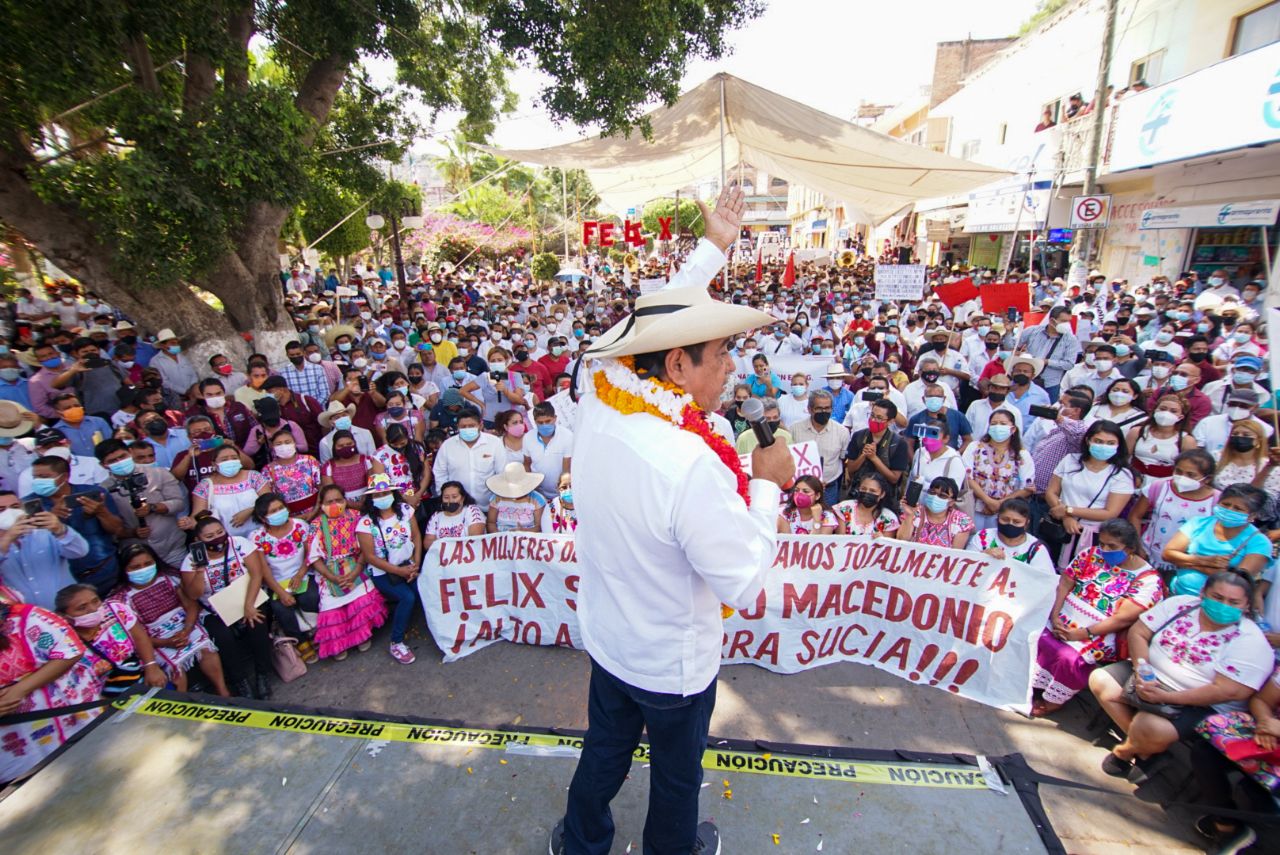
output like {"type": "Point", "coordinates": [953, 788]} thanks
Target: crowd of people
{"type": "Point", "coordinates": [171, 522]}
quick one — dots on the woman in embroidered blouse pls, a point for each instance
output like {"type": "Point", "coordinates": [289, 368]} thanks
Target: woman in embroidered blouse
{"type": "Point", "coordinates": [867, 510]}
{"type": "Point", "coordinates": [403, 459]}
{"type": "Point", "coordinates": [560, 516]}
{"type": "Point", "coordinates": [170, 617]}
{"type": "Point", "coordinates": [1171, 502]}
{"type": "Point", "coordinates": [296, 477]}
{"type": "Point", "coordinates": [112, 635]}
{"type": "Point", "coordinates": [1100, 595]}
{"type": "Point", "coordinates": [282, 540]}
{"type": "Point", "coordinates": [804, 512]}
{"type": "Point", "coordinates": [38, 654]}
{"type": "Point", "coordinates": [998, 468]}
{"type": "Point", "coordinates": [937, 521]}
{"type": "Point", "coordinates": [400, 411]}
{"type": "Point", "coordinates": [350, 607]}
{"type": "Point", "coordinates": [510, 427]}
{"type": "Point", "coordinates": [391, 545]}
{"type": "Point", "coordinates": [349, 470]}
{"type": "Point", "coordinates": [1010, 538]}
{"type": "Point", "coordinates": [459, 516]}
{"type": "Point", "coordinates": [1207, 657]}
{"type": "Point", "coordinates": [1158, 442]}
{"type": "Point", "coordinates": [229, 492]}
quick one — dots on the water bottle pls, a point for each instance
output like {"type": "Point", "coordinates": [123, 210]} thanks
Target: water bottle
{"type": "Point", "coordinates": [1146, 673]}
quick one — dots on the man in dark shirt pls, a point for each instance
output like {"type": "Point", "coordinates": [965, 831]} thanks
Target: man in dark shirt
{"type": "Point", "coordinates": [878, 450]}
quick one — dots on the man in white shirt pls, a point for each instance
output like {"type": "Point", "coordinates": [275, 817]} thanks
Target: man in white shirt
{"type": "Point", "coordinates": [549, 449]}
{"type": "Point", "coordinates": [1213, 432]}
{"type": "Point", "coordinates": [930, 372]}
{"type": "Point", "coordinates": [664, 536]}
{"type": "Point", "coordinates": [831, 438]}
{"type": "Point", "coordinates": [782, 343]}
{"type": "Point", "coordinates": [338, 417]}
{"type": "Point", "coordinates": [979, 412]}
{"type": "Point", "coordinates": [1240, 379]}
{"type": "Point", "coordinates": [470, 457]}
{"type": "Point", "coordinates": [952, 366]}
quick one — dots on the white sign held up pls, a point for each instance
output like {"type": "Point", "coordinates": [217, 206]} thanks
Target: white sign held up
{"type": "Point", "coordinates": [899, 281]}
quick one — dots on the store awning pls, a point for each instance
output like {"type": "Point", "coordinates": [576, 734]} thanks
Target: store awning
{"type": "Point", "coordinates": [1212, 215]}
{"type": "Point", "coordinates": [876, 175]}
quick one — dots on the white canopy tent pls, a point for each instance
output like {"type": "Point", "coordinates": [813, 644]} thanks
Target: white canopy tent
{"type": "Point", "coordinates": [728, 120]}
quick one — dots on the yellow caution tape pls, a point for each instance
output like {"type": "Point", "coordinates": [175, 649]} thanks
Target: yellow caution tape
{"type": "Point", "coordinates": [727, 761]}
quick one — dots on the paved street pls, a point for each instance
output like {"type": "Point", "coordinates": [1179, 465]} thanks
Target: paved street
{"type": "Point", "coordinates": [833, 705]}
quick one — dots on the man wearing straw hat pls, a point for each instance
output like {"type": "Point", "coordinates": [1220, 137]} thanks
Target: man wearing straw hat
{"type": "Point", "coordinates": [669, 528]}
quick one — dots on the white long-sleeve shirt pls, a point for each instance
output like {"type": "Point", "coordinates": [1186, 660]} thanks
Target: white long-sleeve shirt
{"type": "Point", "coordinates": [663, 538]}
{"type": "Point", "coordinates": [471, 465]}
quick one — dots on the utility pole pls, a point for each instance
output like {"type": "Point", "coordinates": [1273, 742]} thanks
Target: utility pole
{"type": "Point", "coordinates": [1084, 246]}
{"type": "Point", "coordinates": [564, 207]}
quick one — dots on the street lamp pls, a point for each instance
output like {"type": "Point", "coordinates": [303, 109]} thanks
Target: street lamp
{"type": "Point", "coordinates": [409, 216]}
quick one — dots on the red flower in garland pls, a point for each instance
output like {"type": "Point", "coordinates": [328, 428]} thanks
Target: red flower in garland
{"type": "Point", "coordinates": [694, 420]}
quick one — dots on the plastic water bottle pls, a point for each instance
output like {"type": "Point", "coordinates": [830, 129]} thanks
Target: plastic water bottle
{"type": "Point", "coordinates": [1146, 673]}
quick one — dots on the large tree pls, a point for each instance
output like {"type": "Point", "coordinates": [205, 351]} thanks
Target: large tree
{"type": "Point", "coordinates": [140, 151]}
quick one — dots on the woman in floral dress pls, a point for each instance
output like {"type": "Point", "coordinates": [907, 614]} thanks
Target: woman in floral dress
{"type": "Point", "coordinates": [866, 512]}
{"type": "Point", "coordinates": [112, 636]}
{"type": "Point", "coordinates": [349, 469]}
{"type": "Point", "coordinates": [170, 618]}
{"type": "Point", "coordinates": [296, 477]}
{"type": "Point", "coordinates": [1100, 595]}
{"type": "Point", "coordinates": [229, 492]}
{"type": "Point", "coordinates": [1171, 502]}
{"type": "Point", "coordinates": [804, 512]}
{"type": "Point", "coordinates": [998, 468]}
{"type": "Point", "coordinates": [459, 516]}
{"type": "Point", "coordinates": [350, 607]}
{"type": "Point", "coordinates": [38, 654]}
{"type": "Point", "coordinates": [282, 540]}
{"type": "Point", "coordinates": [403, 459]}
{"type": "Point", "coordinates": [560, 515]}
{"type": "Point", "coordinates": [937, 521]}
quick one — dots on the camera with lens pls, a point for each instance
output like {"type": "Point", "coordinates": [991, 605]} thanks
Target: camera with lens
{"type": "Point", "coordinates": [135, 484]}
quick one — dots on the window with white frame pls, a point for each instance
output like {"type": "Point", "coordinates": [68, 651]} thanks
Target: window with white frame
{"type": "Point", "coordinates": [1147, 69]}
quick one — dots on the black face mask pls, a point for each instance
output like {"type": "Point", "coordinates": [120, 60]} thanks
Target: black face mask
{"type": "Point", "coordinates": [821, 418]}
{"type": "Point", "coordinates": [867, 500]}
{"type": "Point", "coordinates": [939, 346]}
{"type": "Point", "coordinates": [296, 360]}
{"type": "Point", "coordinates": [997, 397]}
{"type": "Point", "coordinates": [522, 355]}
{"type": "Point", "coordinates": [930, 376]}
{"type": "Point", "coordinates": [218, 544]}
{"type": "Point", "coordinates": [1241, 443]}
{"type": "Point", "coordinates": [1009, 531]}
{"type": "Point", "coordinates": [1197, 357]}
{"type": "Point", "coordinates": [1020, 380]}
{"type": "Point", "coordinates": [992, 345]}
{"type": "Point", "coordinates": [451, 507]}
{"type": "Point", "coordinates": [774, 424]}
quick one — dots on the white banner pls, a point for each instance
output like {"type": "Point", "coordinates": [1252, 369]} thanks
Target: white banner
{"type": "Point", "coordinates": [899, 281]}
{"type": "Point", "coordinates": [961, 621]}
{"type": "Point", "coordinates": [1260, 213]}
{"type": "Point", "coordinates": [1273, 338]}
{"type": "Point", "coordinates": [648, 286]}
{"type": "Point", "coordinates": [787, 364]}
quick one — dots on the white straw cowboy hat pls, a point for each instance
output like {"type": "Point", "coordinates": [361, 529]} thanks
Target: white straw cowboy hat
{"type": "Point", "coordinates": [335, 410]}
{"type": "Point", "coordinates": [1037, 364]}
{"type": "Point", "coordinates": [676, 317]}
{"type": "Point", "coordinates": [15, 419]}
{"type": "Point", "coordinates": [835, 371]}
{"type": "Point", "coordinates": [513, 482]}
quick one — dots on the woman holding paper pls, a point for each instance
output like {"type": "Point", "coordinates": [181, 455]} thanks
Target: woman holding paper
{"type": "Point", "coordinates": [235, 566]}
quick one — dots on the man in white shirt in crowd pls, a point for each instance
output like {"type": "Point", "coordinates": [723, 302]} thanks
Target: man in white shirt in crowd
{"type": "Point", "coordinates": [470, 457]}
{"type": "Point", "coordinates": [1241, 377]}
{"type": "Point", "coordinates": [832, 438]}
{"type": "Point", "coordinates": [979, 412]}
{"type": "Point", "coordinates": [953, 368]}
{"type": "Point", "coordinates": [930, 371]}
{"type": "Point", "coordinates": [1212, 432]}
{"type": "Point", "coordinates": [549, 449]}
{"type": "Point", "coordinates": [654, 571]}
{"type": "Point", "coordinates": [338, 417]}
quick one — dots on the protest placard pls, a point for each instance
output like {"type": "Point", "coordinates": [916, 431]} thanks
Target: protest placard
{"type": "Point", "coordinates": [805, 454]}
{"type": "Point", "coordinates": [963, 622]}
{"type": "Point", "coordinates": [899, 281]}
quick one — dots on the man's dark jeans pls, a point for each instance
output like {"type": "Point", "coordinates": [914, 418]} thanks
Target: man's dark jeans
{"type": "Point", "coordinates": [677, 729]}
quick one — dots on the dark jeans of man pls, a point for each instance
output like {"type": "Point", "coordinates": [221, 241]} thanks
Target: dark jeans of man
{"type": "Point", "coordinates": [405, 597]}
{"type": "Point", "coordinates": [677, 728]}
{"type": "Point", "coordinates": [287, 616]}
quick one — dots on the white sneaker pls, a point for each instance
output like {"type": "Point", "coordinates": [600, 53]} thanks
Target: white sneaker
{"type": "Point", "coordinates": [402, 654]}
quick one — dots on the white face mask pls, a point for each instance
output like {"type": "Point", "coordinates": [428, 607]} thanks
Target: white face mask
{"type": "Point", "coordinates": [399, 344]}
{"type": "Point", "coordinates": [1160, 371]}
{"type": "Point", "coordinates": [1183, 484]}
{"type": "Point", "coordinates": [1064, 328]}
{"type": "Point", "coordinates": [1120, 399]}
{"type": "Point", "coordinates": [360, 362]}
{"type": "Point", "coordinates": [314, 358]}
{"type": "Point", "coordinates": [1164, 418]}
{"type": "Point", "coordinates": [1237, 414]}
{"type": "Point", "coordinates": [217, 402]}
{"type": "Point", "coordinates": [9, 518]}
{"type": "Point", "coordinates": [1103, 365]}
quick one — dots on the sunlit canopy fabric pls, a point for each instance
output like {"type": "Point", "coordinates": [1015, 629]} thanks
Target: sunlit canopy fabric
{"type": "Point", "coordinates": [875, 175]}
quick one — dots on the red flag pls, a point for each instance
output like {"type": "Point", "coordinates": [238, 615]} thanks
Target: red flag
{"type": "Point", "coordinates": [789, 275]}
{"type": "Point", "coordinates": [999, 296]}
{"type": "Point", "coordinates": [759, 266]}
{"type": "Point", "coordinates": [953, 294]}
{"type": "Point", "coordinates": [1035, 319]}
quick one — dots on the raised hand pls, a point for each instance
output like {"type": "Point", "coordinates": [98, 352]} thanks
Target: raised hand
{"type": "Point", "coordinates": [724, 224]}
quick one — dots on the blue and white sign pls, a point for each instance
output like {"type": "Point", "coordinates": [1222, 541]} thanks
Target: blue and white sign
{"type": "Point", "coordinates": [1260, 213]}
{"type": "Point", "coordinates": [1229, 105]}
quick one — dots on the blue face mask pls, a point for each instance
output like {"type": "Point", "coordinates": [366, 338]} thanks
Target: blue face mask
{"type": "Point", "coordinates": [937, 504]}
{"type": "Point", "coordinates": [51, 363]}
{"type": "Point", "coordinates": [469, 434]}
{"type": "Point", "coordinates": [143, 575]}
{"type": "Point", "coordinates": [383, 502]}
{"type": "Point", "coordinates": [44, 486]}
{"type": "Point", "coordinates": [1177, 382]}
{"type": "Point", "coordinates": [1230, 518]}
{"type": "Point", "coordinates": [343, 423]}
{"type": "Point", "coordinates": [566, 496]}
{"type": "Point", "coordinates": [1000, 432]}
{"type": "Point", "coordinates": [546, 430]}
{"type": "Point", "coordinates": [1221, 613]}
{"type": "Point", "coordinates": [459, 376]}
{"type": "Point", "coordinates": [279, 517]}
{"type": "Point", "coordinates": [890, 338]}
{"type": "Point", "coordinates": [1122, 350]}
{"type": "Point", "coordinates": [1114, 557]}
{"type": "Point", "coordinates": [121, 468]}
{"type": "Point", "coordinates": [933, 404]}
{"type": "Point", "coordinates": [344, 346]}
{"type": "Point", "coordinates": [6, 441]}
{"type": "Point", "coordinates": [230, 468]}
{"type": "Point", "coordinates": [1102, 452]}
{"type": "Point", "coordinates": [175, 349]}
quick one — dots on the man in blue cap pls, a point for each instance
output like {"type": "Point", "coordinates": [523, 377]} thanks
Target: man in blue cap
{"type": "Point", "coordinates": [1242, 377]}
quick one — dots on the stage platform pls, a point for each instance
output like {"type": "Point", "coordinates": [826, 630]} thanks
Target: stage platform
{"type": "Point", "coordinates": [189, 774]}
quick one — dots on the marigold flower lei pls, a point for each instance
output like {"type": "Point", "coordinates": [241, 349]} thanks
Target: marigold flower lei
{"type": "Point", "coordinates": [618, 386]}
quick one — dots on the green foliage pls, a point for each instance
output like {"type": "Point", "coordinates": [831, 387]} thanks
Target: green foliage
{"type": "Point", "coordinates": [545, 266]}
{"type": "Point", "coordinates": [690, 217]}
{"type": "Point", "coordinates": [1045, 9]}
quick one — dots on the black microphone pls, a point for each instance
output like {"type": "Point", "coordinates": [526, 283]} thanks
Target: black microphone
{"type": "Point", "coordinates": [753, 411]}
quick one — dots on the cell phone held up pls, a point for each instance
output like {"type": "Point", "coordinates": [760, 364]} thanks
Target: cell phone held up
{"type": "Point", "coordinates": [199, 555]}
{"type": "Point", "coordinates": [914, 489]}
{"type": "Point", "coordinates": [1041, 412]}
{"type": "Point", "coordinates": [926, 432]}
{"type": "Point", "coordinates": [364, 383]}
{"type": "Point", "coordinates": [31, 507]}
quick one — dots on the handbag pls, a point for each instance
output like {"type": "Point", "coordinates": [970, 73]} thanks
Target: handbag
{"type": "Point", "coordinates": [1129, 693]}
{"type": "Point", "coordinates": [123, 676]}
{"type": "Point", "coordinates": [1054, 532]}
{"type": "Point", "coordinates": [286, 659]}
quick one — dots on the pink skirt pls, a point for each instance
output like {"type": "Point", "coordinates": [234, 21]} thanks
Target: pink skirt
{"type": "Point", "coordinates": [346, 626]}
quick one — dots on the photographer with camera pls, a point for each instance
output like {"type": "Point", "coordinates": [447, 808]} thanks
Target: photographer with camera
{"type": "Point", "coordinates": [149, 500]}
{"type": "Point", "coordinates": [94, 378]}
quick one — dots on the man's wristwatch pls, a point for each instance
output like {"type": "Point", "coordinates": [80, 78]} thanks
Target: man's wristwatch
{"type": "Point", "coordinates": [1069, 511]}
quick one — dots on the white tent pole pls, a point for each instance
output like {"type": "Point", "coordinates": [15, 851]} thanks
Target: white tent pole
{"type": "Point", "coordinates": [725, 270]}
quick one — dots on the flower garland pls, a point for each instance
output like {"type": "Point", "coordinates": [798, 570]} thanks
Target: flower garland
{"type": "Point", "coordinates": [618, 386]}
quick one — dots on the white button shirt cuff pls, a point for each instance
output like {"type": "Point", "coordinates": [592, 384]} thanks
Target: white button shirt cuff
{"type": "Point", "coordinates": [700, 267]}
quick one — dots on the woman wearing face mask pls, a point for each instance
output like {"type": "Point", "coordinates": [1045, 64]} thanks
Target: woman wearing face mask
{"type": "Point", "coordinates": [804, 512]}
{"type": "Point", "coordinates": [282, 540]}
{"type": "Point", "coordinates": [245, 647]}
{"type": "Point", "coordinates": [1159, 441]}
{"type": "Point", "coordinates": [561, 515]}
{"type": "Point", "coordinates": [997, 467]}
{"type": "Point", "coordinates": [1241, 340]}
{"type": "Point", "coordinates": [405, 462]}
{"type": "Point", "coordinates": [1009, 538]}
{"type": "Point", "coordinates": [296, 477]}
{"type": "Point", "coordinates": [937, 521]}
{"type": "Point", "coordinates": [1245, 456]}
{"type": "Point", "coordinates": [39, 652]}
{"type": "Point", "coordinates": [1088, 488]}
{"type": "Point", "coordinates": [349, 469]}
{"type": "Point", "coordinates": [1100, 595]}
{"type": "Point", "coordinates": [511, 428]}
{"type": "Point", "coordinates": [1227, 540]}
{"type": "Point", "coordinates": [1204, 656]}
{"type": "Point", "coordinates": [935, 458]}
{"type": "Point", "coordinates": [867, 510]}
{"type": "Point", "coordinates": [391, 546]}
{"type": "Point", "coordinates": [1169, 504]}
{"type": "Point", "coordinates": [117, 647]}
{"type": "Point", "coordinates": [350, 607]}
{"type": "Point", "coordinates": [498, 389]}
{"type": "Point", "coordinates": [170, 618]}
{"type": "Point", "coordinates": [1163, 341]}
{"type": "Point", "coordinates": [229, 492]}
{"type": "Point", "coordinates": [763, 382]}
{"type": "Point", "coordinates": [400, 411]}
{"type": "Point", "coordinates": [459, 516]}
{"type": "Point", "coordinates": [1121, 405]}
